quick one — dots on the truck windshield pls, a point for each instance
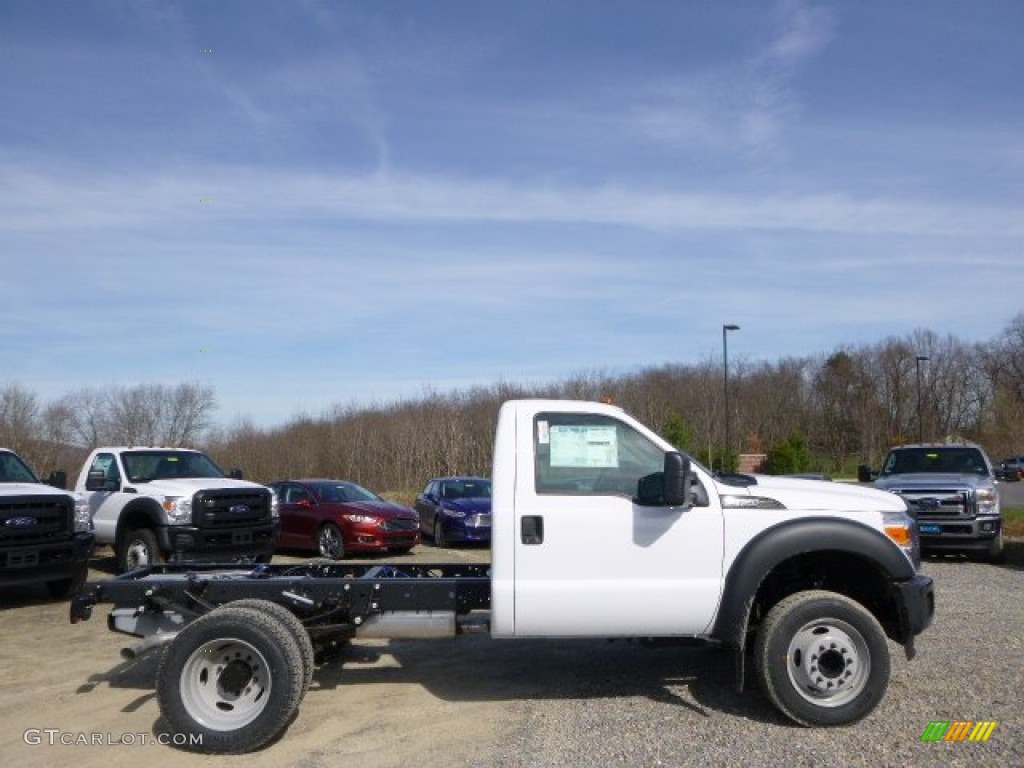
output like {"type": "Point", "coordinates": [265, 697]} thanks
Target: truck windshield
{"type": "Point", "coordinates": [14, 470]}
{"type": "Point", "coordinates": [958, 459]}
{"type": "Point", "coordinates": [143, 466]}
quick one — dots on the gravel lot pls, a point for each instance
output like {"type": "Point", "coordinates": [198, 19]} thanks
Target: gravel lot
{"type": "Point", "coordinates": [478, 702]}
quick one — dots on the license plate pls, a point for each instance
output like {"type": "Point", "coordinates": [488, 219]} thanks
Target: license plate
{"type": "Point", "coordinates": [930, 528]}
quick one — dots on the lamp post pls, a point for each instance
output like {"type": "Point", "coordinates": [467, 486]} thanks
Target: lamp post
{"type": "Point", "coordinates": [920, 427]}
{"type": "Point", "coordinates": [725, 379]}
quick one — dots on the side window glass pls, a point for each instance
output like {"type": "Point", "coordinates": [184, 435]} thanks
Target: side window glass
{"type": "Point", "coordinates": [590, 454]}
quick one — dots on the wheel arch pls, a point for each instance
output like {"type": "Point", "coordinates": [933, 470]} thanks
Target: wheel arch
{"type": "Point", "coordinates": [830, 554]}
{"type": "Point", "coordinates": [143, 513]}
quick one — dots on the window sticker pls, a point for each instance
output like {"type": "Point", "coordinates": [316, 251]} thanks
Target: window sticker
{"type": "Point", "coordinates": [584, 446]}
{"type": "Point", "coordinates": [542, 433]}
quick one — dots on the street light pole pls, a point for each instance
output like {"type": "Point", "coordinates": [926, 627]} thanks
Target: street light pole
{"type": "Point", "coordinates": [920, 427]}
{"type": "Point", "coordinates": [725, 380]}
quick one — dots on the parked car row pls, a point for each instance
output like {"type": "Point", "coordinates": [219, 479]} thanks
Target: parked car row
{"type": "Point", "coordinates": [1011, 469]}
{"type": "Point", "coordinates": [336, 518]}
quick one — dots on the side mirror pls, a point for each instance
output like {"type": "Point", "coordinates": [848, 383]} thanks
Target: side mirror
{"type": "Point", "coordinates": [58, 479]}
{"type": "Point", "coordinates": [668, 488]}
{"type": "Point", "coordinates": [97, 480]}
{"type": "Point", "coordinates": [236, 474]}
{"type": "Point", "coordinates": [863, 473]}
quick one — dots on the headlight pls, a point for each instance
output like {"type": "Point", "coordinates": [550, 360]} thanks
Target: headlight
{"type": "Point", "coordinates": [367, 519]}
{"type": "Point", "coordinates": [83, 517]}
{"type": "Point", "coordinates": [178, 509]}
{"type": "Point", "coordinates": [988, 501]}
{"type": "Point", "coordinates": [902, 529]}
{"type": "Point", "coordinates": [275, 507]}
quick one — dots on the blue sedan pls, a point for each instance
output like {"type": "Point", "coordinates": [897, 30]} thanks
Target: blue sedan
{"type": "Point", "coordinates": [455, 509]}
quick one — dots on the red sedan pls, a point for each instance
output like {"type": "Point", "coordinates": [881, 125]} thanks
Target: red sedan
{"type": "Point", "coordinates": [335, 518]}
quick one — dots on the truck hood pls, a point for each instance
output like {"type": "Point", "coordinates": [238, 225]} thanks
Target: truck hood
{"type": "Point", "coordinates": [186, 486]}
{"type": "Point", "coordinates": [934, 480]}
{"type": "Point", "coordinates": [810, 495]}
{"type": "Point", "coordinates": [31, 489]}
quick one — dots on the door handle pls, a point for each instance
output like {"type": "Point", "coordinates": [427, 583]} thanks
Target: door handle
{"type": "Point", "coordinates": [531, 528]}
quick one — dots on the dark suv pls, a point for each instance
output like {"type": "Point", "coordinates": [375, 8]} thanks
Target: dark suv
{"type": "Point", "coordinates": [1011, 468]}
{"type": "Point", "coordinates": [950, 488]}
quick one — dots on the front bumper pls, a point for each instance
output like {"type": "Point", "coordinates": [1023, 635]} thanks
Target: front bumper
{"type": "Point", "coordinates": [956, 534]}
{"type": "Point", "coordinates": [46, 562]}
{"type": "Point", "coordinates": [190, 543]}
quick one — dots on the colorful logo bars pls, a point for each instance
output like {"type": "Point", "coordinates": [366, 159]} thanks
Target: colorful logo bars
{"type": "Point", "coordinates": [958, 730]}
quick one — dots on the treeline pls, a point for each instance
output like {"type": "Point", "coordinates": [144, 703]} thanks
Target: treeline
{"type": "Point", "coordinates": [821, 413]}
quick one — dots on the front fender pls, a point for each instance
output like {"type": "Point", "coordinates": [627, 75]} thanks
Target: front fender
{"type": "Point", "coordinates": [797, 537]}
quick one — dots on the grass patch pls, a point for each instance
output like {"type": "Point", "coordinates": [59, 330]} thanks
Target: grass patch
{"type": "Point", "coordinates": [1013, 521]}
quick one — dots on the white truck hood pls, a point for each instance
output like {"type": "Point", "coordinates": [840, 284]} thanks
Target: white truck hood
{"type": "Point", "coordinates": [186, 486]}
{"type": "Point", "coordinates": [31, 489]}
{"type": "Point", "coordinates": [810, 495]}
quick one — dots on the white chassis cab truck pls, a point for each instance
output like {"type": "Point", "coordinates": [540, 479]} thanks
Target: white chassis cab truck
{"type": "Point", "coordinates": [600, 529]}
{"type": "Point", "coordinates": [159, 504]}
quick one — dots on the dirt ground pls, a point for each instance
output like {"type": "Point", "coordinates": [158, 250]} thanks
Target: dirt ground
{"type": "Point", "coordinates": [67, 697]}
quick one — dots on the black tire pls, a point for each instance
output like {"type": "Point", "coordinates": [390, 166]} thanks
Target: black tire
{"type": "Point", "coordinates": [330, 542]}
{"type": "Point", "coordinates": [822, 659]}
{"type": "Point", "coordinates": [291, 622]}
{"type": "Point", "coordinates": [439, 538]}
{"type": "Point", "coordinates": [995, 552]}
{"type": "Point", "coordinates": [138, 548]}
{"type": "Point", "coordinates": [231, 679]}
{"type": "Point", "coordinates": [62, 589]}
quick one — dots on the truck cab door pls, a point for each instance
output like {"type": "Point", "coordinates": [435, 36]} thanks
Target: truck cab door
{"type": "Point", "coordinates": [590, 558]}
{"type": "Point", "coordinates": [104, 484]}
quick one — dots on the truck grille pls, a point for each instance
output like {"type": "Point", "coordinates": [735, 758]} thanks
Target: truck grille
{"type": "Point", "coordinates": [401, 524]}
{"type": "Point", "coordinates": [28, 520]}
{"type": "Point", "coordinates": [939, 502]}
{"type": "Point", "coordinates": [229, 508]}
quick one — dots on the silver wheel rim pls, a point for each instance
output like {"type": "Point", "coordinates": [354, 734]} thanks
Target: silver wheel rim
{"type": "Point", "coordinates": [829, 662]}
{"type": "Point", "coordinates": [329, 541]}
{"type": "Point", "coordinates": [225, 684]}
{"type": "Point", "coordinates": [137, 554]}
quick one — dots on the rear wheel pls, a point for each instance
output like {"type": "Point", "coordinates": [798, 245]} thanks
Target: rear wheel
{"type": "Point", "coordinates": [329, 542]}
{"type": "Point", "coordinates": [232, 678]}
{"type": "Point", "coordinates": [137, 549]}
{"type": "Point", "coordinates": [822, 659]}
{"type": "Point", "coordinates": [290, 622]}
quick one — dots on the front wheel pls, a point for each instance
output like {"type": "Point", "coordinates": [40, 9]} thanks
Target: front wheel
{"type": "Point", "coordinates": [137, 549]}
{"type": "Point", "coordinates": [231, 679]}
{"type": "Point", "coordinates": [439, 537]}
{"type": "Point", "coordinates": [995, 552]}
{"type": "Point", "coordinates": [822, 658]}
{"type": "Point", "coordinates": [329, 542]}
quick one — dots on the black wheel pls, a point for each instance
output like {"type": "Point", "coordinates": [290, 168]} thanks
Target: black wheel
{"type": "Point", "coordinates": [439, 538]}
{"type": "Point", "coordinates": [822, 659]}
{"type": "Point", "coordinates": [233, 679]}
{"type": "Point", "coordinates": [329, 542]}
{"type": "Point", "coordinates": [291, 622]}
{"type": "Point", "coordinates": [138, 548]}
{"type": "Point", "coordinates": [65, 588]}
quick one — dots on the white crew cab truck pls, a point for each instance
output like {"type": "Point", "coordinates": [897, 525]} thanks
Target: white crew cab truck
{"type": "Point", "coordinates": [159, 504]}
{"type": "Point", "coordinates": [600, 529]}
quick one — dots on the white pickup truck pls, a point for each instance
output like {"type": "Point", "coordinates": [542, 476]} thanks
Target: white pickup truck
{"type": "Point", "coordinates": [45, 533]}
{"type": "Point", "coordinates": [158, 504]}
{"type": "Point", "coordinates": [600, 529]}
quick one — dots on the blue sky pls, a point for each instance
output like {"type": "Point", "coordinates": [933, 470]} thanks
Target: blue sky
{"type": "Point", "coordinates": [313, 203]}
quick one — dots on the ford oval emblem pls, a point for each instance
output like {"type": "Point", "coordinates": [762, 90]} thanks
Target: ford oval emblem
{"type": "Point", "coordinates": [240, 509]}
{"type": "Point", "coordinates": [21, 522]}
{"type": "Point", "coordinates": [928, 503]}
